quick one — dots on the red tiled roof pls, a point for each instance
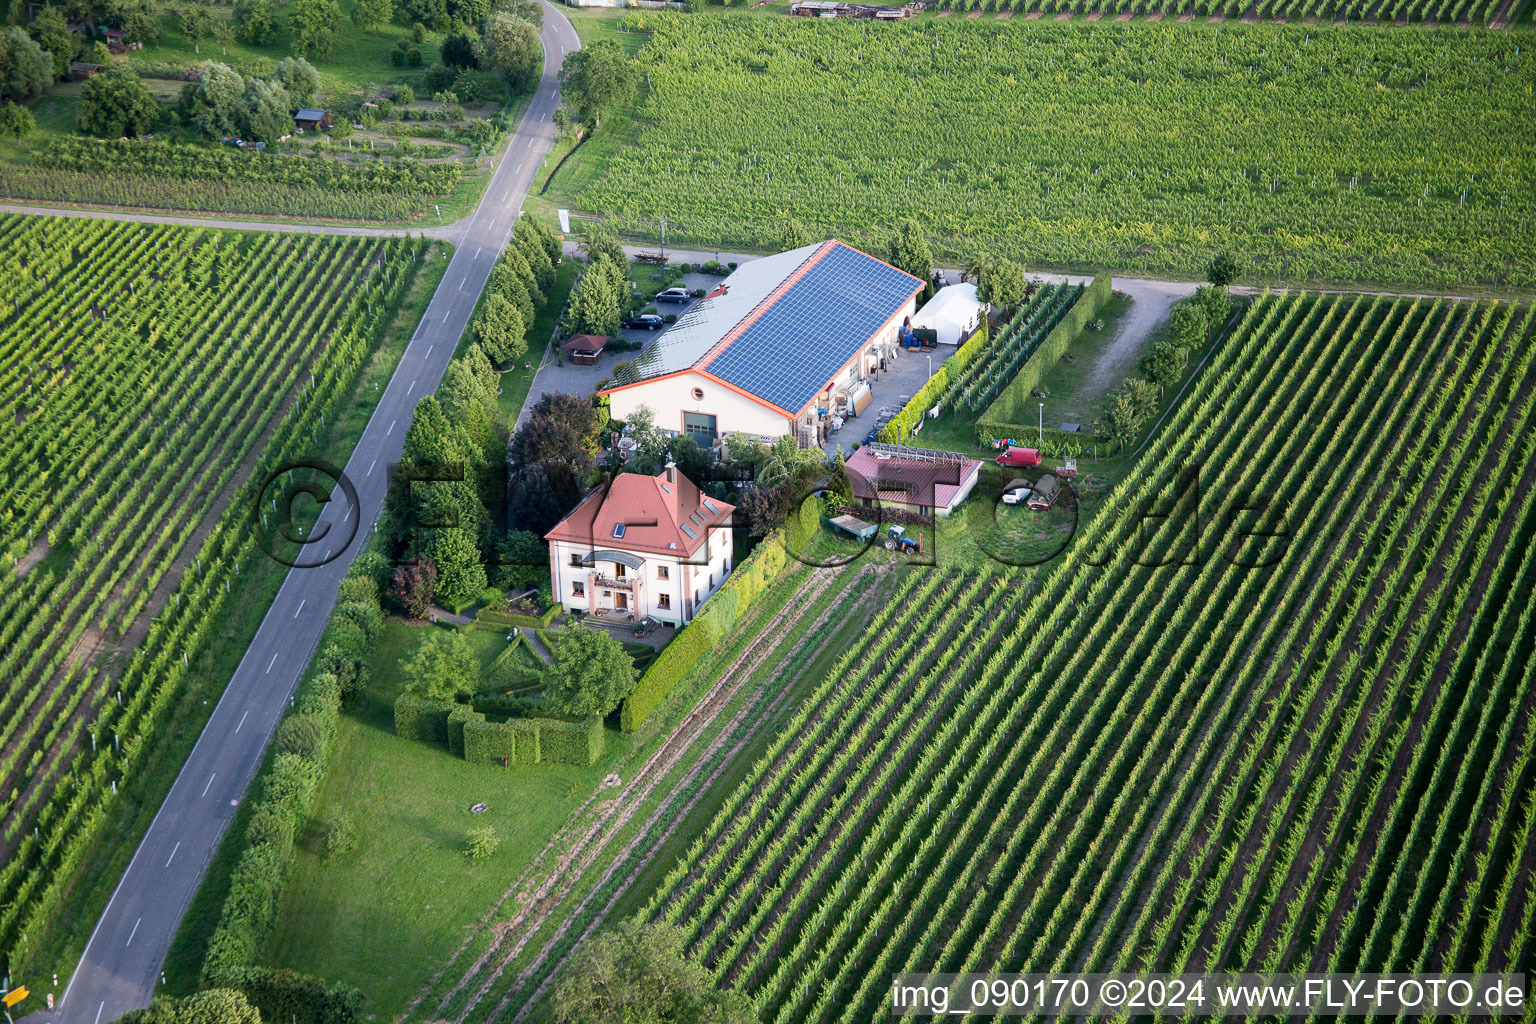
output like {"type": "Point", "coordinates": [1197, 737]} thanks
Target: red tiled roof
{"type": "Point", "coordinates": [592, 343]}
{"type": "Point", "coordinates": [915, 482]}
{"type": "Point", "coordinates": [653, 511]}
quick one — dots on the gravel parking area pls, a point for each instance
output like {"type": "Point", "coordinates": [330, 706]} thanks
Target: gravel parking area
{"type": "Point", "coordinates": [557, 377]}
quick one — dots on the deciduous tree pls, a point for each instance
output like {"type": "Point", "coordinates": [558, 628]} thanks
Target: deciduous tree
{"type": "Point", "coordinates": [597, 78]}
{"type": "Point", "coordinates": [370, 14]}
{"type": "Point", "coordinates": [641, 974]}
{"type": "Point", "coordinates": [15, 121]}
{"type": "Point", "coordinates": [413, 587]}
{"type": "Point", "coordinates": [510, 47]}
{"type": "Point", "coordinates": [299, 77]}
{"type": "Point", "coordinates": [591, 673]}
{"type": "Point", "coordinates": [1226, 267]}
{"type": "Point", "coordinates": [1004, 284]}
{"type": "Point", "coordinates": [116, 103]}
{"type": "Point", "coordinates": [443, 667]}
{"type": "Point", "coordinates": [315, 26]}
{"type": "Point", "coordinates": [253, 21]}
{"type": "Point", "coordinates": [26, 69]}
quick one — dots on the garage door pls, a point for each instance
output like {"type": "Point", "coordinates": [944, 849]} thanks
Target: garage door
{"type": "Point", "coordinates": [700, 427]}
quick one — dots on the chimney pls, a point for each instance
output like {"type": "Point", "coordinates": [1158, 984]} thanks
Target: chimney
{"type": "Point", "coordinates": [671, 472]}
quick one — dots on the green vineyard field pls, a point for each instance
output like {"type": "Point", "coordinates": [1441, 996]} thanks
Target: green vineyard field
{"type": "Point", "coordinates": [1337, 153]}
{"type": "Point", "coordinates": [149, 377]}
{"type": "Point", "coordinates": [1459, 12]}
{"type": "Point", "coordinates": [159, 176]}
{"type": "Point", "coordinates": [1184, 749]}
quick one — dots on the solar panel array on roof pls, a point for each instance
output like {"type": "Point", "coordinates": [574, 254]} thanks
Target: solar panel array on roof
{"type": "Point", "coordinates": [706, 322]}
{"type": "Point", "coordinates": [794, 348]}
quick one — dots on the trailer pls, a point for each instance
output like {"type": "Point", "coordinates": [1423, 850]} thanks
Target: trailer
{"type": "Point", "coordinates": [854, 527]}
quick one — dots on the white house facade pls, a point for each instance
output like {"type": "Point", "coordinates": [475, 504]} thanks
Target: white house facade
{"type": "Point", "coordinates": [642, 546]}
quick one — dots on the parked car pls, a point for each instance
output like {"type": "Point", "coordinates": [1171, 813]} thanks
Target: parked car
{"type": "Point", "coordinates": [1023, 458]}
{"type": "Point", "coordinates": [677, 293]}
{"type": "Point", "coordinates": [1046, 492]}
{"type": "Point", "coordinates": [1017, 491]}
{"type": "Point", "coordinates": [645, 322]}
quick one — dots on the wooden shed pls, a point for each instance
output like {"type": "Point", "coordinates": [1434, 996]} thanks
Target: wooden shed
{"type": "Point", "coordinates": [583, 349]}
{"type": "Point", "coordinates": [309, 118]}
{"type": "Point", "coordinates": [80, 70]}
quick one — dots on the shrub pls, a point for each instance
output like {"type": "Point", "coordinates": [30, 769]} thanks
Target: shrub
{"type": "Point", "coordinates": [482, 843]}
{"type": "Point", "coordinates": [358, 587]}
{"type": "Point", "coordinates": [304, 735]}
{"type": "Point", "coordinates": [366, 615]}
{"type": "Point", "coordinates": [340, 838]}
{"type": "Point", "coordinates": [268, 827]}
{"type": "Point", "coordinates": [288, 997]}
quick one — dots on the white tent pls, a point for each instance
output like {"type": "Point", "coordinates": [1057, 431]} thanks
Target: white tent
{"type": "Point", "coordinates": [954, 312]}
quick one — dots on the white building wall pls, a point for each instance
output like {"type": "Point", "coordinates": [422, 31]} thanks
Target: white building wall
{"type": "Point", "coordinates": [682, 580]}
{"type": "Point", "coordinates": [669, 397]}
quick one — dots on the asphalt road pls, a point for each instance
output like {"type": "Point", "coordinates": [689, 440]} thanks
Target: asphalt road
{"type": "Point", "coordinates": [120, 968]}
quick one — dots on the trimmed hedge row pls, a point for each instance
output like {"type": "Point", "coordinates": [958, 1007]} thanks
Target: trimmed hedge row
{"type": "Point", "coordinates": [420, 718]}
{"type": "Point", "coordinates": [512, 619]}
{"type": "Point", "coordinates": [930, 393]}
{"type": "Point", "coordinates": [716, 618]}
{"type": "Point", "coordinates": [466, 732]}
{"type": "Point", "coordinates": [509, 743]}
{"type": "Point", "coordinates": [1014, 403]}
{"type": "Point", "coordinates": [301, 750]}
{"type": "Point", "coordinates": [570, 740]}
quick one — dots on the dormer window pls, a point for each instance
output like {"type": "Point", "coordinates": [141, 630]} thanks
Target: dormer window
{"type": "Point", "coordinates": [618, 529]}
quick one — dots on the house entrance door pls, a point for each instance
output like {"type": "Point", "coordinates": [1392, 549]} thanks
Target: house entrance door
{"type": "Point", "coordinates": [622, 602]}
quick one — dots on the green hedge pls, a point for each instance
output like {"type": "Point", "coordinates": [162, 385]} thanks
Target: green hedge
{"type": "Point", "coordinates": [417, 718]}
{"type": "Point", "coordinates": [493, 618]}
{"type": "Point", "coordinates": [1015, 404]}
{"type": "Point", "coordinates": [489, 742]}
{"type": "Point", "coordinates": [570, 741]}
{"type": "Point", "coordinates": [929, 394]}
{"type": "Point", "coordinates": [293, 998]}
{"type": "Point", "coordinates": [461, 715]}
{"type": "Point", "coordinates": [716, 618]}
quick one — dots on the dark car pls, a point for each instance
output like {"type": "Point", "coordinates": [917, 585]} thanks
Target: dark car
{"type": "Point", "coordinates": [645, 322]}
{"type": "Point", "coordinates": [673, 294]}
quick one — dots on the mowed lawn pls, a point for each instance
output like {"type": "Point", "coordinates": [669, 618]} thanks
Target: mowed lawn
{"type": "Point", "coordinates": [386, 915]}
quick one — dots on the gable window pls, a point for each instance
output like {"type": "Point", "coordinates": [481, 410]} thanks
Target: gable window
{"type": "Point", "coordinates": [663, 573]}
{"type": "Point", "coordinates": [575, 561]}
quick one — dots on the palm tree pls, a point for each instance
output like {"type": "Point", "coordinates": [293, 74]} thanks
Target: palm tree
{"type": "Point", "coordinates": [975, 265]}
